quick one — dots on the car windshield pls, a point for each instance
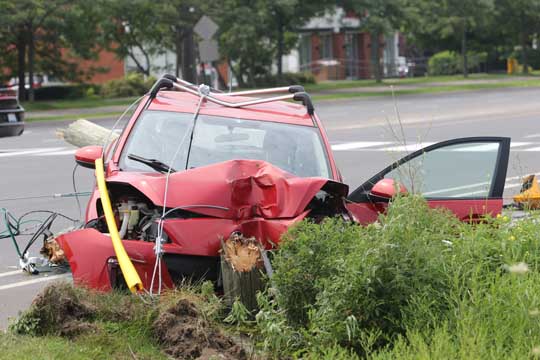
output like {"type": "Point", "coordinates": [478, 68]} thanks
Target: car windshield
{"type": "Point", "coordinates": [157, 135]}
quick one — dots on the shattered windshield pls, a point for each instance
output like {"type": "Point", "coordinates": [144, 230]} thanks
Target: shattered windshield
{"type": "Point", "coordinates": [157, 135]}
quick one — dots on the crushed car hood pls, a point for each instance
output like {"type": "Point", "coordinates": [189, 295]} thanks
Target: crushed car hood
{"type": "Point", "coordinates": [247, 188]}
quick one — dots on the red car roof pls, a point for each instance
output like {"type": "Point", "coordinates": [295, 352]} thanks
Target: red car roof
{"type": "Point", "coordinates": [276, 111]}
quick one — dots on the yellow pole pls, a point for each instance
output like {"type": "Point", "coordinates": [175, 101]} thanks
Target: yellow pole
{"type": "Point", "coordinates": [131, 276]}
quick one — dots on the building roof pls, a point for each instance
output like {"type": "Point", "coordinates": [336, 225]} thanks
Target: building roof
{"type": "Point", "coordinates": [276, 111]}
{"type": "Point", "coordinates": [334, 20]}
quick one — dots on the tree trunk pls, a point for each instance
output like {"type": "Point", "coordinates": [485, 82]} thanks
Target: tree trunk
{"type": "Point", "coordinates": [464, 51]}
{"type": "Point", "coordinates": [280, 48]}
{"type": "Point", "coordinates": [31, 62]}
{"type": "Point", "coordinates": [21, 65]}
{"type": "Point", "coordinates": [251, 76]}
{"type": "Point", "coordinates": [188, 63]}
{"type": "Point", "coordinates": [241, 268]}
{"type": "Point", "coordinates": [140, 67]}
{"type": "Point", "coordinates": [376, 57]}
{"type": "Point", "coordinates": [524, 57]}
{"type": "Point", "coordinates": [237, 75]}
{"type": "Point", "coordinates": [178, 49]}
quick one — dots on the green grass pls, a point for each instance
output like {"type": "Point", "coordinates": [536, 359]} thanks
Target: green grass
{"type": "Point", "coordinates": [96, 115]}
{"type": "Point", "coordinates": [348, 84]}
{"type": "Point", "coordinates": [75, 104]}
{"type": "Point", "coordinates": [431, 89]}
{"type": "Point", "coordinates": [114, 343]}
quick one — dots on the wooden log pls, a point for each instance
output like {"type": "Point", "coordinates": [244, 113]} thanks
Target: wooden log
{"type": "Point", "coordinates": [242, 270]}
{"type": "Point", "coordinates": [85, 133]}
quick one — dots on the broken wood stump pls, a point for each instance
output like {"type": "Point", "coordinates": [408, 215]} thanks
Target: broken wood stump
{"type": "Point", "coordinates": [242, 270]}
{"type": "Point", "coordinates": [85, 133]}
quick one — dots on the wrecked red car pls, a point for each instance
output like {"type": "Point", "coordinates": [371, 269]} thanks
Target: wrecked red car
{"type": "Point", "coordinates": [194, 166]}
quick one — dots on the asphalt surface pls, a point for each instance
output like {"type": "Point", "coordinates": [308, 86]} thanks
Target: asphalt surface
{"type": "Point", "coordinates": [365, 134]}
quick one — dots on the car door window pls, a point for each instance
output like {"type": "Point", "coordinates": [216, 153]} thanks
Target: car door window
{"type": "Point", "coordinates": [465, 170]}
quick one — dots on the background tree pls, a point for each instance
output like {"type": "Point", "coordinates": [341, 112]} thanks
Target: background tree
{"type": "Point", "coordinates": [286, 17]}
{"type": "Point", "coordinates": [40, 32]}
{"type": "Point", "coordinates": [131, 28]}
{"type": "Point", "coordinates": [177, 19]}
{"type": "Point", "coordinates": [379, 17]}
{"type": "Point", "coordinates": [449, 22]}
{"type": "Point", "coordinates": [244, 39]}
{"type": "Point", "coordinates": [519, 21]}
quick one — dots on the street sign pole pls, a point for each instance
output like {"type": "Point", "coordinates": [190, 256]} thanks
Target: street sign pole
{"type": "Point", "coordinates": [208, 47]}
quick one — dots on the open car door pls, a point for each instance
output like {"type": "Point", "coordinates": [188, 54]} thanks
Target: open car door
{"type": "Point", "coordinates": [464, 175]}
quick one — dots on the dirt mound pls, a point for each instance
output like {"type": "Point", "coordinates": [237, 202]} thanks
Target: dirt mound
{"type": "Point", "coordinates": [185, 334]}
{"type": "Point", "coordinates": [59, 310]}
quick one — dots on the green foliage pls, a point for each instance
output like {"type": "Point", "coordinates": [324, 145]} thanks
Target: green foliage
{"type": "Point", "coordinates": [133, 84]}
{"type": "Point", "coordinates": [518, 23]}
{"type": "Point", "coordinates": [417, 284]}
{"type": "Point", "coordinates": [269, 80]}
{"type": "Point", "coordinates": [253, 34]}
{"type": "Point", "coordinates": [60, 92]}
{"type": "Point", "coordinates": [450, 63]}
{"type": "Point", "coordinates": [45, 33]}
{"type": "Point", "coordinates": [444, 63]}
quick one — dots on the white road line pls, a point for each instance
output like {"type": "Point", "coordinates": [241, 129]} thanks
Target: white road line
{"type": "Point", "coordinates": [33, 151]}
{"type": "Point", "coordinates": [11, 273]}
{"type": "Point", "coordinates": [531, 149]}
{"type": "Point", "coordinates": [407, 148]}
{"type": "Point", "coordinates": [519, 144]}
{"type": "Point", "coordinates": [34, 281]}
{"type": "Point", "coordinates": [358, 145]}
{"type": "Point", "coordinates": [481, 148]}
{"type": "Point", "coordinates": [396, 147]}
{"type": "Point", "coordinates": [463, 187]}
{"type": "Point", "coordinates": [55, 153]}
{"type": "Point", "coordinates": [509, 186]}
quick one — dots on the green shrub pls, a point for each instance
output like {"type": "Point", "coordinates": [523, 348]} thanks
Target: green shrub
{"type": "Point", "coordinates": [133, 84]}
{"type": "Point", "coordinates": [58, 92]}
{"type": "Point", "coordinates": [270, 80]}
{"type": "Point", "coordinates": [416, 282]}
{"type": "Point", "coordinates": [444, 63]}
{"type": "Point", "coordinates": [450, 63]}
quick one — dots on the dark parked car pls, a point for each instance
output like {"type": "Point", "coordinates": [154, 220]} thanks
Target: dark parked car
{"type": "Point", "coordinates": [11, 114]}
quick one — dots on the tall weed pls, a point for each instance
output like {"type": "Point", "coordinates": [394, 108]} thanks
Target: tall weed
{"type": "Point", "coordinates": [418, 283]}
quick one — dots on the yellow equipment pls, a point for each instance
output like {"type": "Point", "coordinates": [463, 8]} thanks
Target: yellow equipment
{"type": "Point", "coordinates": [131, 276]}
{"type": "Point", "coordinates": [529, 196]}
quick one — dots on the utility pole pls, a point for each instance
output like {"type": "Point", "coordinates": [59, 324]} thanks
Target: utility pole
{"type": "Point", "coordinates": [188, 63]}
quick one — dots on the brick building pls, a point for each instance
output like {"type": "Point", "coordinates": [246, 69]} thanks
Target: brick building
{"type": "Point", "coordinates": [332, 47]}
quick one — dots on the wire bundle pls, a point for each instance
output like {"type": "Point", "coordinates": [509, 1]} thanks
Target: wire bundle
{"type": "Point", "coordinates": [14, 227]}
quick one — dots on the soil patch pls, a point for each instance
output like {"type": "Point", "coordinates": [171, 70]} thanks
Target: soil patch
{"type": "Point", "coordinates": [185, 334]}
{"type": "Point", "coordinates": [59, 310]}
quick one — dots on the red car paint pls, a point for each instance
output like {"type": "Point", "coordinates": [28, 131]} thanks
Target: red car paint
{"type": "Point", "coordinates": [261, 200]}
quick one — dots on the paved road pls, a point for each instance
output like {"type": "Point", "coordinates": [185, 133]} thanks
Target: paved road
{"type": "Point", "coordinates": [361, 131]}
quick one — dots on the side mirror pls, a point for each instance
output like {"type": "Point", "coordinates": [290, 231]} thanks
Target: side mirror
{"type": "Point", "coordinates": [86, 156]}
{"type": "Point", "coordinates": [387, 189]}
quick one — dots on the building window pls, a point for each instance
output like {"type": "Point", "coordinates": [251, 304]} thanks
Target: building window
{"type": "Point", "coordinates": [304, 49]}
{"type": "Point", "coordinates": [326, 46]}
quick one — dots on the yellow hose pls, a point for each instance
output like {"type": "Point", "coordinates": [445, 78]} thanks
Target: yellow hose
{"type": "Point", "coordinates": [131, 276]}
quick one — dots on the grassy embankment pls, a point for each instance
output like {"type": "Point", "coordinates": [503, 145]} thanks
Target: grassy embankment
{"type": "Point", "coordinates": [330, 90]}
{"type": "Point", "coordinates": [418, 284]}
